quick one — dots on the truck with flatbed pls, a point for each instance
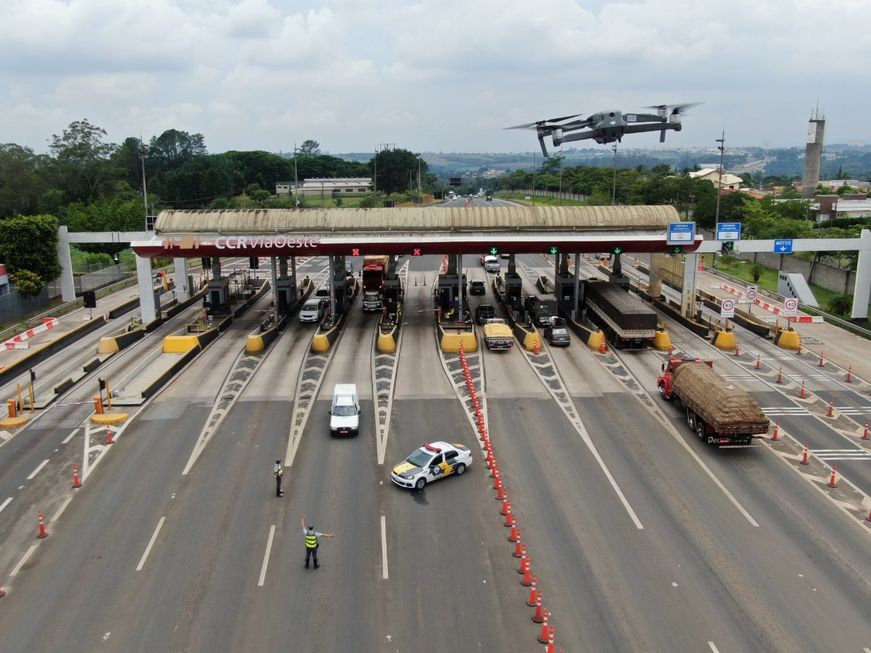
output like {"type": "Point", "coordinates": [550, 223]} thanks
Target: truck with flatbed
{"type": "Point", "coordinates": [498, 335]}
{"type": "Point", "coordinates": [717, 410]}
{"type": "Point", "coordinates": [627, 321]}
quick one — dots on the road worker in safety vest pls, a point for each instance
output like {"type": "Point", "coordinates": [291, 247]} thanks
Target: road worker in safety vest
{"type": "Point", "coordinates": [312, 540]}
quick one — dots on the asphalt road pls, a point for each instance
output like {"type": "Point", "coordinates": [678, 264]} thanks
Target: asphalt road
{"type": "Point", "coordinates": [641, 537]}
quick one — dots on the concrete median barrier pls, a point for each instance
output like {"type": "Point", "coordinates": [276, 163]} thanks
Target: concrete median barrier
{"type": "Point", "coordinates": [661, 340]}
{"type": "Point", "coordinates": [787, 339]}
{"type": "Point", "coordinates": [180, 344]}
{"type": "Point", "coordinates": [725, 339]}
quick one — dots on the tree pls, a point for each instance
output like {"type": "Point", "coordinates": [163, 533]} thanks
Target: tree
{"type": "Point", "coordinates": [22, 180]}
{"type": "Point", "coordinates": [393, 167]}
{"type": "Point", "coordinates": [309, 148]}
{"type": "Point", "coordinates": [81, 161]}
{"type": "Point", "coordinates": [173, 148]}
{"type": "Point", "coordinates": [28, 284]}
{"type": "Point", "coordinates": [840, 305]}
{"type": "Point", "coordinates": [30, 243]}
{"type": "Point", "coordinates": [105, 214]}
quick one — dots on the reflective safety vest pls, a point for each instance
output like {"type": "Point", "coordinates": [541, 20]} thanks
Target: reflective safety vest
{"type": "Point", "coordinates": [311, 540]}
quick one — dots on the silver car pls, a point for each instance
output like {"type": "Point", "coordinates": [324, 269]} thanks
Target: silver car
{"type": "Point", "coordinates": [312, 310]}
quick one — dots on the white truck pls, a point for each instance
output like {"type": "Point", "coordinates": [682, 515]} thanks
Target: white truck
{"type": "Point", "coordinates": [345, 410]}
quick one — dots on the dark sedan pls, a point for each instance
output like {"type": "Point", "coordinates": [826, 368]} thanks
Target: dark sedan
{"type": "Point", "coordinates": [557, 333]}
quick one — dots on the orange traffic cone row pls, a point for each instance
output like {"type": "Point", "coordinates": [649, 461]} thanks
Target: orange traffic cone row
{"type": "Point", "coordinates": [77, 482]}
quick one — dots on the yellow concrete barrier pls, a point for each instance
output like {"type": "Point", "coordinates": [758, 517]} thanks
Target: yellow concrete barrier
{"type": "Point", "coordinates": [788, 339]}
{"type": "Point", "coordinates": [725, 340]}
{"type": "Point", "coordinates": [254, 344]}
{"type": "Point", "coordinates": [320, 343]}
{"type": "Point", "coordinates": [596, 341]}
{"type": "Point", "coordinates": [106, 419]}
{"type": "Point", "coordinates": [386, 344]}
{"type": "Point", "coordinates": [108, 345]}
{"type": "Point", "coordinates": [532, 341]}
{"type": "Point", "coordinates": [179, 344]}
{"type": "Point", "coordinates": [450, 343]}
{"type": "Point", "coordinates": [661, 340]}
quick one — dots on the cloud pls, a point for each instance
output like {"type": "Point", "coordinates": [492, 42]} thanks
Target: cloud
{"type": "Point", "coordinates": [430, 75]}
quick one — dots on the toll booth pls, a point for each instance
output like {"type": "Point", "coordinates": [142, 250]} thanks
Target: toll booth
{"type": "Point", "coordinates": [513, 290]}
{"type": "Point", "coordinates": [449, 287]}
{"type": "Point", "coordinates": [393, 293]}
{"type": "Point", "coordinates": [218, 296]}
{"type": "Point", "coordinates": [285, 292]}
{"type": "Point", "coordinates": [339, 285]}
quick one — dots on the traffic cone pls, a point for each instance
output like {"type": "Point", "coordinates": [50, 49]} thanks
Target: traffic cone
{"type": "Point", "coordinates": [822, 362]}
{"type": "Point", "coordinates": [831, 410]}
{"type": "Point", "coordinates": [780, 375]}
{"type": "Point", "coordinates": [514, 535]}
{"type": "Point", "coordinates": [545, 631]}
{"type": "Point", "coordinates": [109, 438]}
{"type": "Point", "coordinates": [518, 547]}
{"type": "Point", "coordinates": [497, 481]}
{"type": "Point", "coordinates": [538, 617]}
{"type": "Point", "coordinates": [868, 518]}
{"type": "Point", "coordinates": [524, 561]}
{"type": "Point", "coordinates": [536, 347]}
{"type": "Point", "coordinates": [533, 594]}
{"type": "Point", "coordinates": [804, 456]}
{"type": "Point", "coordinates": [2, 591]}
{"type": "Point", "coordinates": [500, 493]}
{"type": "Point", "coordinates": [758, 362]}
{"type": "Point", "coordinates": [526, 580]}
{"type": "Point", "coordinates": [833, 479]}
{"type": "Point", "coordinates": [603, 348]}
{"type": "Point", "coordinates": [550, 644]}
{"type": "Point", "coordinates": [77, 482]}
{"type": "Point", "coordinates": [506, 507]}
{"type": "Point", "coordinates": [850, 374]}
{"type": "Point", "coordinates": [865, 432]}
{"type": "Point", "coordinates": [802, 394]}
{"type": "Point", "coordinates": [41, 519]}
{"type": "Point", "coordinates": [776, 435]}
{"type": "Point", "coordinates": [798, 351]}
{"type": "Point", "coordinates": [737, 349]}
{"type": "Point", "coordinates": [415, 281]}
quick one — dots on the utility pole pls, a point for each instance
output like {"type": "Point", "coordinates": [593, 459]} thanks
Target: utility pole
{"type": "Point", "coordinates": [614, 180]}
{"type": "Point", "coordinates": [295, 178]}
{"type": "Point", "coordinates": [533, 178]}
{"type": "Point", "coordinates": [721, 146]}
{"type": "Point", "coordinates": [144, 185]}
{"type": "Point", "coordinates": [418, 178]}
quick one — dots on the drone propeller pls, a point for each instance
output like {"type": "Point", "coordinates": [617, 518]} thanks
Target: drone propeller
{"type": "Point", "coordinates": [543, 123]}
{"type": "Point", "coordinates": [673, 109]}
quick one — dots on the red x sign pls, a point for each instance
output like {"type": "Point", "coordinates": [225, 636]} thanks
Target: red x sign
{"type": "Point", "coordinates": [415, 251]}
{"type": "Point", "coordinates": [355, 252]}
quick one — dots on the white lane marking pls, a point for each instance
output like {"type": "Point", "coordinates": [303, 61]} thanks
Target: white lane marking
{"type": "Point", "coordinates": [266, 556]}
{"type": "Point", "coordinates": [714, 649]}
{"type": "Point", "coordinates": [60, 510]}
{"type": "Point", "coordinates": [70, 436]}
{"type": "Point", "coordinates": [383, 547]}
{"type": "Point", "coordinates": [24, 559]}
{"type": "Point", "coordinates": [5, 503]}
{"type": "Point", "coordinates": [36, 471]}
{"type": "Point", "coordinates": [150, 544]}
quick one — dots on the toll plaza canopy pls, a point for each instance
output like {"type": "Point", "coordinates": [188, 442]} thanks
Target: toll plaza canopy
{"type": "Point", "coordinates": [412, 231]}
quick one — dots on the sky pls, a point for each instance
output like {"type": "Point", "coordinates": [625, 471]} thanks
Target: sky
{"type": "Point", "coordinates": [431, 75]}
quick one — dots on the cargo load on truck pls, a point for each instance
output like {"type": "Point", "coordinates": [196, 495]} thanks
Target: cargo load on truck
{"type": "Point", "coordinates": [628, 322]}
{"type": "Point", "coordinates": [716, 409]}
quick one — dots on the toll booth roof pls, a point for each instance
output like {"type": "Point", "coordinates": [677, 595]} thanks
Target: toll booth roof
{"type": "Point", "coordinates": [417, 219]}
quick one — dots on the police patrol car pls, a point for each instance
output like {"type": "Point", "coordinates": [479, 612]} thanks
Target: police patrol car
{"type": "Point", "coordinates": [434, 460]}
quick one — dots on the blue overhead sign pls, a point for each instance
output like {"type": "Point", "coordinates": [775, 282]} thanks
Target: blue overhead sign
{"type": "Point", "coordinates": [783, 246]}
{"type": "Point", "coordinates": [681, 233]}
{"type": "Point", "coordinates": [728, 231]}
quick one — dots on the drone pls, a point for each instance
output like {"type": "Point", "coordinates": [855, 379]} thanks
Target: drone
{"type": "Point", "coordinates": [607, 126]}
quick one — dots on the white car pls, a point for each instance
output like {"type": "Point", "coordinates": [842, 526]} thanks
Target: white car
{"type": "Point", "coordinates": [491, 263]}
{"type": "Point", "coordinates": [431, 462]}
{"type": "Point", "coordinates": [312, 310]}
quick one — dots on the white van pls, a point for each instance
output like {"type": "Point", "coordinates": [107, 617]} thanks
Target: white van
{"type": "Point", "coordinates": [345, 410]}
{"type": "Point", "coordinates": [491, 264]}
